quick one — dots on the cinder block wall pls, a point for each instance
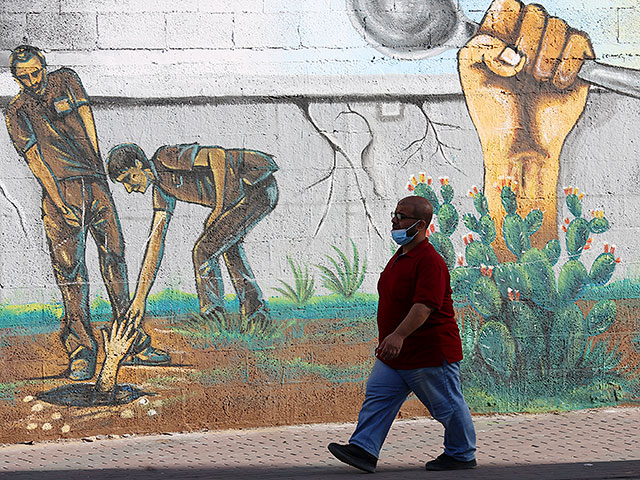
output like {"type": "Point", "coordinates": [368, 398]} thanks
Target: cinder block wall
{"type": "Point", "coordinates": [235, 73]}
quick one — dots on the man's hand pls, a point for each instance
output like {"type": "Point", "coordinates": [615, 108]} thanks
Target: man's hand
{"type": "Point", "coordinates": [118, 341]}
{"type": "Point", "coordinates": [390, 346]}
{"type": "Point", "coordinates": [519, 77]}
{"type": "Point", "coordinates": [136, 310]}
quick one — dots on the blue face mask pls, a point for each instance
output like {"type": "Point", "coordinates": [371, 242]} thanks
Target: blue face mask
{"type": "Point", "coordinates": [400, 236]}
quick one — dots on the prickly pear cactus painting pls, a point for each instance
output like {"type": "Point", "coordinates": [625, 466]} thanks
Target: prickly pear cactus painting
{"type": "Point", "coordinates": [528, 337]}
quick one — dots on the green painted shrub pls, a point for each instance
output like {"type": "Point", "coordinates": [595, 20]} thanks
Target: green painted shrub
{"type": "Point", "coordinates": [303, 287]}
{"type": "Point", "coordinates": [344, 276]}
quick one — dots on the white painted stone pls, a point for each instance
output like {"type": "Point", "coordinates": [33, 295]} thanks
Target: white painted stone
{"type": "Point", "coordinates": [13, 27]}
{"type": "Point", "coordinates": [314, 28]}
{"type": "Point", "coordinates": [129, 6]}
{"type": "Point", "coordinates": [629, 28]}
{"type": "Point", "coordinates": [140, 30]}
{"type": "Point", "coordinates": [232, 6]}
{"type": "Point", "coordinates": [271, 6]}
{"type": "Point", "coordinates": [70, 31]}
{"type": "Point", "coordinates": [29, 6]}
{"type": "Point", "coordinates": [339, 5]}
{"type": "Point", "coordinates": [269, 30]}
{"type": "Point", "coordinates": [199, 30]}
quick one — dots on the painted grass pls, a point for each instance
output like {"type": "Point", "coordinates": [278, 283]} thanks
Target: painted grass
{"type": "Point", "coordinates": [10, 391]}
{"type": "Point", "coordinates": [232, 331]}
{"type": "Point", "coordinates": [35, 318]}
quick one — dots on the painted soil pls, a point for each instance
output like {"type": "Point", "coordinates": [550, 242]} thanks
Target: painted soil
{"type": "Point", "coordinates": [313, 372]}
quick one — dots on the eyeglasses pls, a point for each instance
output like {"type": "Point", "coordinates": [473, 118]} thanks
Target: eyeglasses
{"type": "Point", "coordinates": [401, 216]}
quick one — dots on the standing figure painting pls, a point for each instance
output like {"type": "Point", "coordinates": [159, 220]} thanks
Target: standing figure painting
{"type": "Point", "coordinates": [51, 125]}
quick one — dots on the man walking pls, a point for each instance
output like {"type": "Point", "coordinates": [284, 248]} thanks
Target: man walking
{"type": "Point", "coordinates": [51, 125]}
{"type": "Point", "coordinates": [419, 349]}
{"type": "Point", "coordinates": [237, 184]}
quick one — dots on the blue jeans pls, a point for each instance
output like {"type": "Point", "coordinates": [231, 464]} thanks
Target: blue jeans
{"type": "Point", "coordinates": [438, 388]}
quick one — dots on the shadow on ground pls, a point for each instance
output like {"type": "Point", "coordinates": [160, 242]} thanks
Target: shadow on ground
{"type": "Point", "coordinates": [568, 471]}
{"type": "Point", "coordinates": [84, 395]}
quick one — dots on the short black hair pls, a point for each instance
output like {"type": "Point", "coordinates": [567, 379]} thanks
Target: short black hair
{"type": "Point", "coordinates": [24, 53]}
{"type": "Point", "coordinates": [123, 157]}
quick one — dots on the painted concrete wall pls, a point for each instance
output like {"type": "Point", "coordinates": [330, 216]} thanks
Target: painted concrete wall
{"type": "Point", "coordinates": [347, 127]}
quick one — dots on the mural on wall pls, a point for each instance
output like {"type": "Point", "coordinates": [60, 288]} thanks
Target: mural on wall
{"type": "Point", "coordinates": [542, 326]}
{"type": "Point", "coordinates": [522, 77]}
{"type": "Point", "coordinates": [51, 125]}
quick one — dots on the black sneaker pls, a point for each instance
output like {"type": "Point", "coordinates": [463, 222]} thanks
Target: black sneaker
{"type": "Point", "coordinates": [447, 462]}
{"type": "Point", "coordinates": [355, 456]}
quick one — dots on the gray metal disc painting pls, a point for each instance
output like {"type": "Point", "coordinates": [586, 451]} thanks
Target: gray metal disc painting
{"type": "Point", "coordinates": [410, 29]}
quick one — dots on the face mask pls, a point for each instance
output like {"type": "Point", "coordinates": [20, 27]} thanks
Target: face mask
{"type": "Point", "coordinates": [401, 237]}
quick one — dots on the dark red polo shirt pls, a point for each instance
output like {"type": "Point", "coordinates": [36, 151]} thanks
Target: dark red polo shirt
{"type": "Point", "coordinates": [419, 276]}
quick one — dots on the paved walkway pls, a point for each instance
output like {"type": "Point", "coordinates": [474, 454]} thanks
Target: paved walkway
{"type": "Point", "coordinates": [588, 444]}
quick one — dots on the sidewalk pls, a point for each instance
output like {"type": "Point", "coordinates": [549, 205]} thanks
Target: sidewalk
{"type": "Point", "coordinates": [587, 444]}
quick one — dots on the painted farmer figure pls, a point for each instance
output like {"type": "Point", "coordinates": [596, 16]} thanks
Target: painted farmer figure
{"type": "Point", "coordinates": [237, 184]}
{"type": "Point", "coordinates": [51, 125]}
{"type": "Point", "coordinates": [419, 349]}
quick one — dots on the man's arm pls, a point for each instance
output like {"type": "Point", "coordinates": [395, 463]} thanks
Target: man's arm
{"type": "Point", "coordinates": [81, 100]}
{"type": "Point", "coordinates": [392, 344]}
{"type": "Point", "coordinates": [44, 176]}
{"type": "Point", "coordinates": [150, 265]}
{"type": "Point", "coordinates": [89, 125]}
{"type": "Point", "coordinates": [215, 159]}
{"type": "Point", "coordinates": [519, 78]}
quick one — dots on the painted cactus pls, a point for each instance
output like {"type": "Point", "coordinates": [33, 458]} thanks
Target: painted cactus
{"type": "Point", "coordinates": [531, 325]}
{"type": "Point", "coordinates": [538, 313]}
{"type": "Point", "coordinates": [483, 224]}
{"type": "Point", "coordinates": [445, 212]}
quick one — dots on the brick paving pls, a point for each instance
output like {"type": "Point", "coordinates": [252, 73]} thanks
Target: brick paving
{"type": "Point", "coordinates": [586, 444]}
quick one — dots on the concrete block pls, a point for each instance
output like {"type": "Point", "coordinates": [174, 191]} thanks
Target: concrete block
{"type": "Point", "coordinates": [226, 6]}
{"type": "Point", "coordinates": [199, 30]}
{"type": "Point", "coordinates": [29, 6]}
{"type": "Point", "coordinates": [62, 31]}
{"type": "Point", "coordinates": [269, 30]}
{"type": "Point", "coordinates": [297, 6]}
{"type": "Point", "coordinates": [129, 6]}
{"type": "Point", "coordinates": [333, 30]}
{"type": "Point", "coordinates": [629, 25]}
{"type": "Point", "coordinates": [13, 28]}
{"type": "Point", "coordinates": [141, 30]}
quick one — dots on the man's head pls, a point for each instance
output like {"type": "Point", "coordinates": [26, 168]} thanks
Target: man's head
{"type": "Point", "coordinates": [414, 214]}
{"type": "Point", "coordinates": [127, 164]}
{"type": "Point", "coordinates": [29, 68]}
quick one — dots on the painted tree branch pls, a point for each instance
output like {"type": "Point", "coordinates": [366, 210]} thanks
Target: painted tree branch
{"type": "Point", "coordinates": [365, 157]}
{"type": "Point", "coordinates": [440, 146]}
{"type": "Point", "coordinates": [15, 207]}
{"type": "Point", "coordinates": [304, 105]}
